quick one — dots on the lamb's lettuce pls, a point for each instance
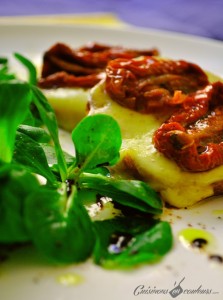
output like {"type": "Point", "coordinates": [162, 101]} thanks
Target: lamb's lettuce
{"type": "Point", "coordinates": [59, 224]}
{"type": "Point", "coordinates": [32, 74]}
{"type": "Point", "coordinates": [97, 141]}
{"type": "Point", "coordinates": [31, 155]}
{"type": "Point", "coordinates": [15, 98]}
{"type": "Point", "coordinates": [52, 214]}
{"type": "Point", "coordinates": [127, 242]}
{"type": "Point", "coordinates": [15, 185]}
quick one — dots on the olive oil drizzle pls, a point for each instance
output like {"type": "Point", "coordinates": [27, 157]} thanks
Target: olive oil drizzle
{"type": "Point", "coordinates": [201, 240]}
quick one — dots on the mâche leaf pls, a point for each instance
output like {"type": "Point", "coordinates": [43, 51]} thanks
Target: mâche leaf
{"type": "Point", "coordinates": [15, 98]}
{"type": "Point", "coordinates": [48, 116]}
{"type": "Point", "coordinates": [126, 243]}
{"type": "Point", "coordinates": [53, 215]}
{"type": "Point", "coordinates": [30, 67]}
{"type": "Point", "coordinates": [60, 225]}
{"type": "Point", "coordinates": [131, 193]}
{"type": "Point", "coordinates": [36, 133]}
{"type": "Point", "coordinates": [97, 141]}
{"type": "Point", "coordinates": [52, 158]}
{"type": "Point", "coordinates": [3, 60]}
{"type": "Point", "coordinates": [5, 75]}
{"type": "Point", "coordinates": [15, 185]}
{"type": "Point", "coordinates": [31, 155]}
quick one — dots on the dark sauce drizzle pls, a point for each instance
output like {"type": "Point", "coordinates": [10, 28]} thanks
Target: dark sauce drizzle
{"type": "Point", "coordinates": [69, 183]}
{"type": "Point", "coordinates": [216, 258]}
{"type": "Point", "coordinates": [199, 243]}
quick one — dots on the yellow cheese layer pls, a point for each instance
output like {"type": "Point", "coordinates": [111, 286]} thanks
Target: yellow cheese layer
{"type": "Point", "coordinates": [69, 105]}
{"type": "Point", "coordinates": [177, 187]}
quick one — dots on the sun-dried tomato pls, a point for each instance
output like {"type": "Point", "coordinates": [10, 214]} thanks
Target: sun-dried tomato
{"type": "Point", "coordinates": [81, 67]}
{"type": "Point", "coordinates": [149, 84]}
{"type": "Point", "coordinates": [193, 135]}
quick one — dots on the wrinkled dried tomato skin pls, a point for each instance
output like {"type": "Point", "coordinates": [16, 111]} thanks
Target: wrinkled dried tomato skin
{"type": "Point", "coordinates": [148, 84]}
{"type": "Point", "coordinates": [64, 80]}
{"type": "Point", "coordinates": [193, 135]}
{"type": "Point", "coordinates": [82, 67]}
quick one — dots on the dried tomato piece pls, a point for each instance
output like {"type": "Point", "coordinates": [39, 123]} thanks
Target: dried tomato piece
{"type": "Point", "coordinates": [149, 84]}
{"type": "Point", "coordinates": [193, 135]}
{"type": "Point", "coordinates": [63, 79]}
{"type": "Point", "coordinates": [89, 60]}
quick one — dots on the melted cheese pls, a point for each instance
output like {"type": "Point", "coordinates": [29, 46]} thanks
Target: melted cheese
{"type": "Point", "coordinates": [69, 105]}
{"type": "Point", "coordinates": [178, 188]}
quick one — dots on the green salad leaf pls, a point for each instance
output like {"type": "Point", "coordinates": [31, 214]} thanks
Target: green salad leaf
{"type": "Point", "coordinates": [60, 225]}
{"type": "Point", "coordinates": [15, 185]}
{"type": "Point", "coordinates": [38, 134]}
{"type": "Point", "coordinates": [124, 243]}
{"type": "Point", "coordinates": [14, 106]}
{"type": "Point", "coordinates": [48, 116]}
{"type": "Point", "coordinates": [5, 75]}
{"type": "Point", "coordinates": [31, 155]}
{"type": "Point", "coordinates": [53, 215]}
{"type": "Point", "coordinates": [97, 141]}
{"type": "Point", "coordinates": [29, 66]}
{"type": "Point", "coordinates": [131, 193]}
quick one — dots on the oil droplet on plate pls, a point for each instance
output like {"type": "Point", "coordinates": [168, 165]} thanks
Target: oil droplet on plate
{"type": "Point", "coordinates": [218, 212]}
{"type": "Point", "coordinates": [194, 238]}
{"type": "Point", "coordinates": [70, 279]}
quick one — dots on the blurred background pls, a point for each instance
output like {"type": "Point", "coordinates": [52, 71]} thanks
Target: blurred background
{"type": "Point", "coordinates": [197, 17]}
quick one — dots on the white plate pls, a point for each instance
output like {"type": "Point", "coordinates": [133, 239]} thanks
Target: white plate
{"type": "Point", "coordinates": [26, 276]}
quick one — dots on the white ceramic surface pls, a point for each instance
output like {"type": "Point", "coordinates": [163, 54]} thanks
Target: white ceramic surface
{"type": "Point", "coordinates": [26, 276]}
